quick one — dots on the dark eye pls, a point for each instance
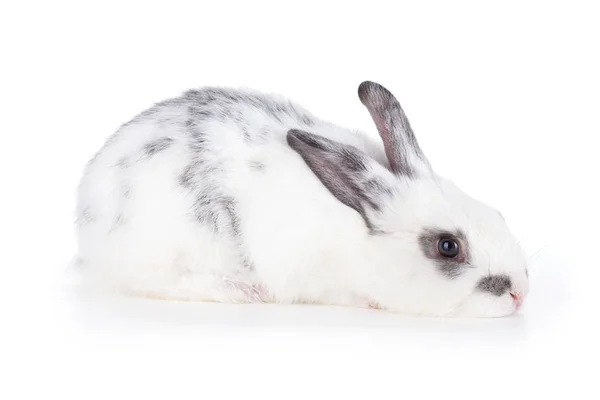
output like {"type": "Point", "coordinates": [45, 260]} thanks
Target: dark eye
{"type": "Point", "coordinates": [448, 247]}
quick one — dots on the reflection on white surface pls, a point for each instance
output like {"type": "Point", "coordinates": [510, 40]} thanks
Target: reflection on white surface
{"type": "Point", "coordinates": [94, 339]}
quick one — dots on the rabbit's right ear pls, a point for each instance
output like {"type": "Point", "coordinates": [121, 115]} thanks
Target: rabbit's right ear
{"type": "Point", "coordinates": [350, 175]}
{"type": "Point", "coordinates": [401, 147]}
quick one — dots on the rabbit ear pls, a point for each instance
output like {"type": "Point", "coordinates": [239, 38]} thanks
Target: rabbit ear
{"type": "Point", "coordinates": [403, 151]}
{"type": "Point", "coordinates": [351, 176]}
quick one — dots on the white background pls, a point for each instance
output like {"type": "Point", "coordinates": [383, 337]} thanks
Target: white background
{"type": "Point", "coordinates": [503, 97]}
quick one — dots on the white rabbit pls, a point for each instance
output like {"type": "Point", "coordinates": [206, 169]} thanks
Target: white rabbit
{"type": "Point", "coordinates": [233, 195]}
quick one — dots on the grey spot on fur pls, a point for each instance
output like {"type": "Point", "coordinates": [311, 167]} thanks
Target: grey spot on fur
{"type": "Point", "coordinates": [377, 187]}
{"type": "Point", "coordinates": [340, 168]}
{"type": "Point", "coordinates": [262, 135]}
{"type": "Point", "coordinates": [246, 133]}
{"type": "Point", "coordinates": [495, 284]}
{"type": "Point", "coordinates": [393, 126]}
{"type": "Point", "coordinates": [206, 212]}
{"type": "Point", "coordinates": [186, 177]}
{"type": "Point", "coordinates": [195, 107]}
{"type": "Point", "coordinates": [157, 146]}
{"type": "Point", "coordinates": [173, 102]}
{"type": "Point", "coordinates": [248, 264]}
{"type": "Point", "coordinates": [191, 93]}
{"type": "Point", "coordinates": [212, 206]}
{"type": "Point", "coordinates": [306, 120]}
{"type": "Point", "coordinates": [218, 212]}
{"type": "Point", "coordinates": [300, 115]}
{"type": "Point", "coordinates": [166, 121]}
{"type": "Point", "coordinates": [450, 267]}
{"type": "Point", "coordinates": [119, 221]}
{"type": "Point", "coordinates": [85, 216]}
{"type": "Point", "coordinates": [231, 209]}
{"type": "Point", "coordinates": [224, 104]}
{"type": "Point", "coordinates": [126, 190]}
{"type": "Point", "coordinates": [199, 113]}
{"type": "Point", "coordinates": [208, 207]}
{"type": "Point", "coordinates": [257, 166]}
{"type": "Point", "coordinates": [151, 111]}
{"type": "Point", "coordinates": [123, 163]}
{"type": "Point", "coordinates": [197, 141]}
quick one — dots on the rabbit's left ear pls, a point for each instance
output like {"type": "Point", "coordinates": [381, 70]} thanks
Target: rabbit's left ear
{"type": "Point", "coordinates": [401, 146]}
{"type": "Point", "coordinates": [350, 175]}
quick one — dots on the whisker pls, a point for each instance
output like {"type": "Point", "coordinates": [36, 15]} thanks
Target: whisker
{"type": "Point", "coordinates": [529, 260]}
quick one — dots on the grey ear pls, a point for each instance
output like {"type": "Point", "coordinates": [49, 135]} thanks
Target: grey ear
{"type": "Point", "coordinates": [403, 151]}
{"type": "Point", "coordinates": [344, 170]}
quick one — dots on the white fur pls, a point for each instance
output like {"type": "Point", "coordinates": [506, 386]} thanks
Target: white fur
{"type": "Point", "coordinates": [304, 245]}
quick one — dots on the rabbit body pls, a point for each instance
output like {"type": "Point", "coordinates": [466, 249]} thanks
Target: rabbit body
{"type": "Point", "coordinates": [201, 198]}
{"type": "Point", "coordinates": [239, 196]}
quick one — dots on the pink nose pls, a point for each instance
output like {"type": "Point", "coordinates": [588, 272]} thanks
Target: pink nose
{"type": "Point", "coordinates": [517, 299]}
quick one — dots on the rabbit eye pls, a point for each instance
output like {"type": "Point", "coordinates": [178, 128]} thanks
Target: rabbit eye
{"type": "Point", "coordinates": [449, 250]}
{"type": "Point", "coordinates": [448, 247]}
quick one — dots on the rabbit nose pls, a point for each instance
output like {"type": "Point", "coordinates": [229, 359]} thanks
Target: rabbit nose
{"type": "Point", "coordinates": [517, 298]}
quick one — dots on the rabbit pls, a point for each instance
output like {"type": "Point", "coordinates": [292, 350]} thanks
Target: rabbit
{"type": "Point", "coordinates": [233, 195]}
